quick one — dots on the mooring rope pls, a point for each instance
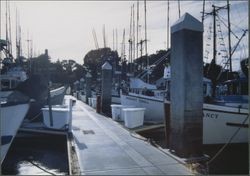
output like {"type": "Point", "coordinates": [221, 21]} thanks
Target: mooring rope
{"type": "Point", "coordinates": [35, 116]}
{"type": "Point", "coordinates": [225, 145]}
{"type": "Point", "coordinates": [40, 167]}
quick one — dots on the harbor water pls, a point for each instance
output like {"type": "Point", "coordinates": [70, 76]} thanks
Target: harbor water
{"type": "Point", "coordinates": [232, 160]}
{"type": "Point", "coordinates": [39, 155]}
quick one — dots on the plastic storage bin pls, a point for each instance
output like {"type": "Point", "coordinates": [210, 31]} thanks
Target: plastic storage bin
{"type": "Point", "coordinates": [133, 117]}
{"type": "Point", "coordinates": [90, 101]}
{"type": "Point", "coordinates": [117, 113]}
{"type": "Point", "coordinates": [60, 115]}
{"type": "Point", "coordinates": [93, 102]}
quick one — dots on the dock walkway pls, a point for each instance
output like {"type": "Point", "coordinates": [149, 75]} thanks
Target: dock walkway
{"type": "Point", "coordinates": [105, 147]}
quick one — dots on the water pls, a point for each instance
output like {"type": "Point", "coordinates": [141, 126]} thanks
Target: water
{"type": "Point", "coordinates": [233, 160]}
{"type": "Point", "coordinates": [41, 155]}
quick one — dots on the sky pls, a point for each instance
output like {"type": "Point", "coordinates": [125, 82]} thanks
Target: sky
{"type": "Point", "coordinates": [65, 27]}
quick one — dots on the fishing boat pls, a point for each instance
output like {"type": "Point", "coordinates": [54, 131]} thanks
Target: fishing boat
{"type": "Point", "coordinates": [220, 121]}
{"type": "Point", "coordinates": [13, 110]}
{"type": "Point", "coordinates": [37, 89]}
{"type": "Point", "coordinates": [225, 116]}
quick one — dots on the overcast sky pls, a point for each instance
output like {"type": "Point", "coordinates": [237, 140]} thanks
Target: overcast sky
{"type": "Point", "coordinates": [65, 28]}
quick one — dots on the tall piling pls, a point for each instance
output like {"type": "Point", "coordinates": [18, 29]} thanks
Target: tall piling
{"type": "Point", "coordinates": [88, 87]}
{"type": "Point", "coordinates": [106, 88]}
{"type": "Point", "coordinates": [186, 86]}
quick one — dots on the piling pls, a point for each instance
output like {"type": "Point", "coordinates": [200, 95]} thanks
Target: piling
{"type": "Point", "coordinates": [106, 88]}
{"type": "Point", "coordinates": [98, 104]}
{"type": "Point", "coordinates": [70, 115]}
{"type": "Point", "coordinates": [88, 87]}
{"type": "Point", "coordinates": [186, 86]}
{"type": "Point", "coordinates": [167, 122]}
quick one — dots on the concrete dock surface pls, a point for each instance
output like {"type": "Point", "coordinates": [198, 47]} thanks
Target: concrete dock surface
{"type": "Point", "coordinates": [104, 147]}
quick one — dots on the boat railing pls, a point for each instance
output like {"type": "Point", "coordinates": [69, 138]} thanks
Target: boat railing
{"type": "Point", "coordinates": [156, 93]}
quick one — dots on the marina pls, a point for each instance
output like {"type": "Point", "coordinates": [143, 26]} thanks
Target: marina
{"type": "Point", "coordinates": [89, 130]}
{"type": "Point", "coordinates": [136, 108]}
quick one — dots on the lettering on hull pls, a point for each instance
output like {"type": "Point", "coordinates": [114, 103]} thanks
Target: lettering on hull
{"type": "Point", "coordinates": [210, 115]}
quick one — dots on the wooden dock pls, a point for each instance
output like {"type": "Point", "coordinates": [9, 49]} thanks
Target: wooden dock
{"type": "Point", "coordinates": [104, 147]}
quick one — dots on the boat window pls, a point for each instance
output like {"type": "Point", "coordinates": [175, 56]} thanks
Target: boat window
{"type": "Point", "coordinates": [204, 89]}
{"type": "Point", "coordinates": [5, 84]}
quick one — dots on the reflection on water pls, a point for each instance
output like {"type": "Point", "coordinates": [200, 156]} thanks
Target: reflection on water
{"type": "Point", "coordinates": [41, 155]}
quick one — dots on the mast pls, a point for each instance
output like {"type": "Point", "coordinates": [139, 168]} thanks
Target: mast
{"type": "Point", "coordinates": [28, 47]}
{"type": "Point", "coordinates": [18, 36]}
{"type": "Point", "coordinates": [133, 41]}
{"type": "Point", "coordinates": [179, 8]}
{"type": "Point", "coordinates": [168, 27]}
{"type": "Point", "coordinates": [0, 28]}
{"type": "Point", "coordinates": [214, 36]}
{"type": "Point", "coordinates": [137, 28]}
{"type": "Point", "coordinates": [229, 37]}
{"type": "Point", "coordinates": [6, 20]}
{"type": "Point", "coordinates": [95, 39]}
{"type": "Point", "coordinates": [113, 39]}
{"type": "Point", "coordinates": [17, 55]}
{"type": "Point", "coordinates": [104, 37]}
{"type": "Point", "coordinates": [146, 48]}
{"type": "Point", "coordinates": [10, 49]}
{"type": "Point", "coordinates": [116, 36]}
{"type": "Point", "coordinates": [130, 37]}
{"type": "Point", "coordinates": [124, 49]}
{"type": "Point", "coordinates": [123, 46]}
{"type": "Point", "coordinates": [203, 12]}
{"type": "Point", "coordinates": [31, 48]}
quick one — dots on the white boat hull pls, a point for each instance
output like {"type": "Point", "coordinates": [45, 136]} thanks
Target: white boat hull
{"type": "Point", "coordinates": [116, 100]}
{"type": "Point", "coordinates": [11, 119]}
{"type": "Point", "coordinates": [219, 122]}
{"type": "Point", "coordinates": [154, 107]}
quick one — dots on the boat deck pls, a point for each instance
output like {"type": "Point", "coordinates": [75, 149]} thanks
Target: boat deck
{"type": "Point", "coordinates": [105, 147]}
